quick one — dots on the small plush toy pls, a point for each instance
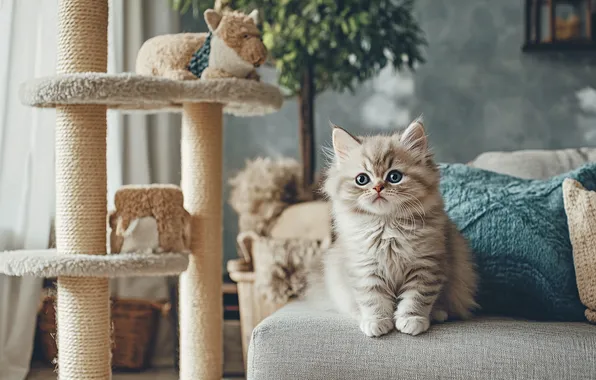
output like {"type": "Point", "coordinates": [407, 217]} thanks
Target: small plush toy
{"type": "Point", "coordinates": [149, 219]}
{"type": "Point", "coordinates": [232, 49]}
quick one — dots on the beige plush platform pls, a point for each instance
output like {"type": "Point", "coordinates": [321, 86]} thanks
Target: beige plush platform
{"type": "Point", "coordinates": [48, 263]}
{"type": "Point", "coordinates": [127, 91]}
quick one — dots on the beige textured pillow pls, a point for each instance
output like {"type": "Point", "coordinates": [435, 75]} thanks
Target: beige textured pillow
{"type": "Point", "coordinates": [535, 164]}
{"type": "Point", "coordinates": [580, 207]}
{"type": "Point", "coordinates": [306, 220]}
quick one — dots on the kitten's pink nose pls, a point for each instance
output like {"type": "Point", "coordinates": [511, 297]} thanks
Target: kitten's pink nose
{"type": "Point", "coordinates": [379, 187]}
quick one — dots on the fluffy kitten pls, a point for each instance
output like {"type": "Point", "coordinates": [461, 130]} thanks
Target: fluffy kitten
{"type": "Point", "coordinates": [397, 260]}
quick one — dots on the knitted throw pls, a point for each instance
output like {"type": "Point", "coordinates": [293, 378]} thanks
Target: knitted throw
{"type": "Point", "coordinates": [517, 229]}
{"type": "Point", "coordinates": [580, 207]}
{"type": "Point", "coordinates": [200, 59]}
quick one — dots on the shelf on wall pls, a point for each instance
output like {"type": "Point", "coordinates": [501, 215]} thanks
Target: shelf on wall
{"type": "Point", "coordinates": [559, 26]}
{"type": "Point", "coordinates": [559, 47]}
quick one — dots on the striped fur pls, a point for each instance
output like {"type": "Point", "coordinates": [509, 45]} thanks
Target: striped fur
{"type": "Point", "coordinates": [397, 261]}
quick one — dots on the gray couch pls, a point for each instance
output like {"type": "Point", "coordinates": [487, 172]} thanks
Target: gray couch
{"type": "Point", "coordinates": [300, 343]}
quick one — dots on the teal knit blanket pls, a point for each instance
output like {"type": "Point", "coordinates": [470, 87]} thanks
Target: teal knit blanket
{"type": "Point", "coordinates": [517, 229]}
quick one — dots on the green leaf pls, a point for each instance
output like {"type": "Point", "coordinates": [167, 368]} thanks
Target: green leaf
{"type": "Point", "coordinates": [309, 8]}
{"type": "Point", "coordinates": [290, 56]}
{"type": "Point", "coordinates": [293, 20]}
{"type": "Point", "coordinates": [344, 27]}
{"type": "Point", "coordinates": [364, 18]}
{"type": "Point", "coordinates": [268, 40]}
{"type": "Point", "coordinates": [279, 64]}
{"type": "Point", "coordinates": [353, 24]}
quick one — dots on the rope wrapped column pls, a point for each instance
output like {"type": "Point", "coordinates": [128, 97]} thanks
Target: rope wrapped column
{"type": "Point", "coordinates": [201, 309]}
{"type": "Point", "coordinates": [83, 310]}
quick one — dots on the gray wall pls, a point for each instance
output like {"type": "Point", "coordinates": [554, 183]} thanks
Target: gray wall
{"type": "Point", "coordinates": [477, 92]}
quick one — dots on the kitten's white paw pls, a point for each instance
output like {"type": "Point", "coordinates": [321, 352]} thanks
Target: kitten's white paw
{"type": "Point", "coordinates": [376, 327]}
{"type": "Point", "coordinates": [412, 325]}
{"type": "Point", "coordinates": [439, 315]}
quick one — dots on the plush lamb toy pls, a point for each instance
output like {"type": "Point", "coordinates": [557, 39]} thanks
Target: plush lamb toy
{"type": "Point", "coordinates": [149, 219]}
{"type": "Point", "coordinates": [232, 48]}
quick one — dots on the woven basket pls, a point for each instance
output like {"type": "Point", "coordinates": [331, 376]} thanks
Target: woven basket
{"type": "Point", "coordinates": [254, 269]}
{"type": "Point", "coordinates": [253, 307]}
{"type": "Point", "coordinates": [134, 331]}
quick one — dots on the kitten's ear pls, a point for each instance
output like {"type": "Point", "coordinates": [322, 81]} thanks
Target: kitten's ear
{"type": "Point", "coordinates": [343, 143]}
{"type": "Point", "coordinates": [414, 137]}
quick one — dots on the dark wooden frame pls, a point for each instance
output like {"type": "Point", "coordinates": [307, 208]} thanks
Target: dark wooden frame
{"type": "Point", "coordinates": [533, 39]}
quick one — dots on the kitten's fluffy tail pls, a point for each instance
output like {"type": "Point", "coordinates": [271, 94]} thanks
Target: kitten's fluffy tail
{"type": "Point", "coordinates": [316, 294]}
{"type": "Point", "coordinates": [461, 292]}
{"type": "Point", "coordinates": [327, 289]}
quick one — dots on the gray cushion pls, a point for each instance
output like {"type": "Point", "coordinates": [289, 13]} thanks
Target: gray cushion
{"type": "Point", "coordinates": [535, 164]}
{"type": "Point", "coordinates": [299, 342]}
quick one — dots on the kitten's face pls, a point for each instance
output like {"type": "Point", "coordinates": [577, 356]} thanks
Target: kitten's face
{"type": "Point", "coordinates": [382, 175]}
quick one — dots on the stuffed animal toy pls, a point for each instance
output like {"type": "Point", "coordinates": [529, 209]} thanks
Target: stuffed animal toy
{"type": "Point", "coordinates": [232, 48]}
{"type": "Point", "coordinates": [149, 219]}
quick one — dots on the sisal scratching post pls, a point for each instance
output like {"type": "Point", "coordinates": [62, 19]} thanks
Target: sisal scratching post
{"type": "Point", "coordinates": [201, 309]}
{"type": "Point", "coordinates": [83, 309]}
{"type": "Point", "coordinates": [81, 92]}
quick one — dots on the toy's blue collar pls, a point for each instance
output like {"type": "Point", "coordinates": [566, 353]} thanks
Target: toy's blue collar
{"type": "Point", "coordinates": [200, 59]}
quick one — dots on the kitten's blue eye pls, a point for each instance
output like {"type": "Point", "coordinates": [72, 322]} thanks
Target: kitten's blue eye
{"type": "Point", "coordinates": [362, 179]}
{"type": "Point", "coordinates": [394, 176]}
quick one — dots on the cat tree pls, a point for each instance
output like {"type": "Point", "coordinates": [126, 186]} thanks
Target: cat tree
{"type": "Point", "coordinates": [81, 93]}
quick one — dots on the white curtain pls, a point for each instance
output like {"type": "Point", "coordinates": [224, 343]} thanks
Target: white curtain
{"type": "Point", "coordinates": [142, 149]}
{"type": "Point", "coordinates": [27, 50]}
